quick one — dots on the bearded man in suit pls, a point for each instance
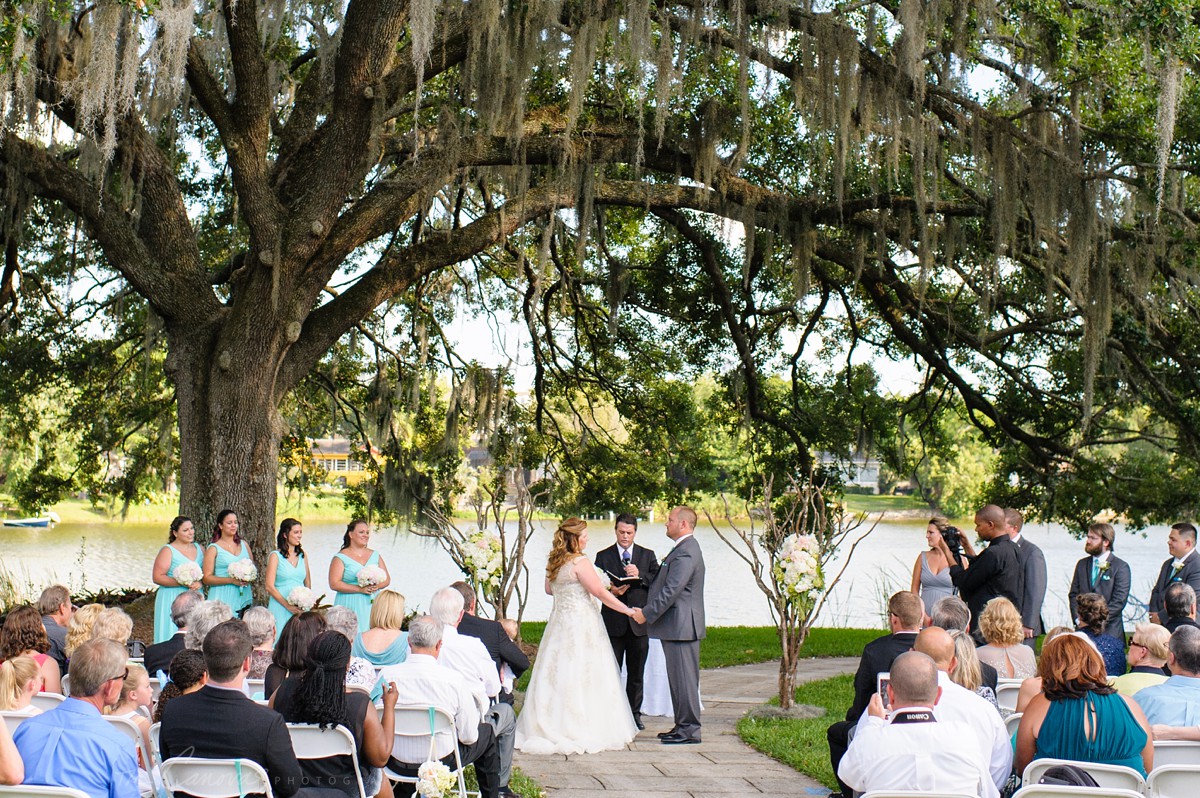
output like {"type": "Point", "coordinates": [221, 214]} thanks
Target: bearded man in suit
{"type": "Point", "coordinates": [1105, 574]}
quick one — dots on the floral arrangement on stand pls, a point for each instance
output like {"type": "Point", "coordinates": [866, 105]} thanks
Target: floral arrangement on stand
{"type": "Point", "coordinates": [798, 570]}
{"type": "Point", "coordinates": [243, 571]}
{"type": "Point", "coordinates": [188, 574]}
{"type": "Point", "coordinates": [483, 553]}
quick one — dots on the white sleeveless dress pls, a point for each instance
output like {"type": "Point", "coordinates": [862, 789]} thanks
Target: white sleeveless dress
{"type": "Point", "coordinates": [575, 703]}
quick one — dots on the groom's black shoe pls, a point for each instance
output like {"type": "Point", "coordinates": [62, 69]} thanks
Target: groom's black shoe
{"type": "Point", "coordinates": [507, 793]}
{"type": "Point", "coordinates": [679, 739]}
{"type": "Point", "coordinates": [637, 719]}
{"type": "Point", "coordinates": [666, 734]}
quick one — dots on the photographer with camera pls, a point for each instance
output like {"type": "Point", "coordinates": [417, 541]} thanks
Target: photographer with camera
{"type": "Point", "coordinates": [997, 571]}
{"type": "Point", "coordinates": [931, 571]}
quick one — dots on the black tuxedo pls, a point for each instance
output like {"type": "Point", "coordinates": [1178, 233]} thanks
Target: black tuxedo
{"type": "Point", "coordinates": [1112, 583]}
{"type": "Point", "coordinates": [1190, 573]}
{"type": "Point", "coordinates": [997, 571]}
{"type": "Point", "coordinates": [877, 657]}
{"type": "Point", "coordinates": [224, 724]}
{"type": "Point", "coordinates": [628, 637]}
{"type": "Point", "coordinates": [158, 656]}
{"type": "Point", "coordinates": [498, 644]}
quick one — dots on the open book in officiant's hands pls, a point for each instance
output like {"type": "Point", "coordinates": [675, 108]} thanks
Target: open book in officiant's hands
{"type": "Point", "coordinates": [622, 580]}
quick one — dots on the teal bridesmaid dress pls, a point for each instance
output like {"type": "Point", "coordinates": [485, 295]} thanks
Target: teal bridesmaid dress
{"type": "Point", "coordinates": [165, 596]}
{"type": "Point", "coordinates": [288, 577]}
{"type": "Point", "coordinates": [359, 602]}
{"type": "Point", "coordinates": [237, 597]}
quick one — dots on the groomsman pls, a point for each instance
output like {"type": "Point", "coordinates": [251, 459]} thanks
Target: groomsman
{"type": "Point", "coordinates": [675, 612]}
{"type": "Point", "coordinates": [1182, 566]}
{"type": "Point", "coordinates": [628, 637]}
{"type": "Point", "coordinates": [1033, 565]}
{"type": "Point", "coordinates": [1104, 573]}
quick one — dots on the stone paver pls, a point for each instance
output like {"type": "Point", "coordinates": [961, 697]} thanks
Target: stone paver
{"type": "Point", "coordinates": [721, 765]}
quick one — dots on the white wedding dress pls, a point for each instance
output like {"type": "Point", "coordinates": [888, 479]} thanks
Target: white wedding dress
{"type": "Point", "coordinates": [575, 703]}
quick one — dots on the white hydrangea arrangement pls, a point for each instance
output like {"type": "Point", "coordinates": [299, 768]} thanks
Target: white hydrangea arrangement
{"type": "Point", "coordinates": [798, 569]}
{"type": "Point", "coordinates": [371, 575]}
{"type": "Point", "coordinates": [302, 598]}
{"type": "Point", "coordinates": [434, 780]}
{"type": "Point", "coordinates": [243, 571]}
{"type": "Point", "coordinates": [188, 574]}
{"type": "Point", "coordinates": [483, 553]}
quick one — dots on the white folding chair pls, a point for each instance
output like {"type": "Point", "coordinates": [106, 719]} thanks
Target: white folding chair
{"type": "Point", "coordinates": [1176, 752]}
{"type": "Point", "coordinates": [130, 730]}
{"type": "Point", "coordinates": [155, 689]}
{"type": "Point", "coordinates": [1012, 722]}
{"type": "Point", "coordinates": [155, 751]}
{"type": "Point", "coordinates": [38, 791]}
{"type": "Point", "coordinates": [419, 724]}
{"type": "Point", "coordinates": [1006, 693]}
{"type": "Point", "coordinates": [1110, 776]}
{"type": "Point", "coordinates": [13, 719]}
{"type": "Point", "coordinates": [913, 793]}
{"type": "Point", "coordinates": [66, 683]}
{"type": "Point", "coordinates": [48, 701]}
{"type": "Point", "coordinates": [215, 778]}
{"type": "Point", "coordinates": [1173, 781]}
{"type": "Point", "coordinates": [1058, 791]}
{"type": "Point", "coordinates": [310, 741]}
{"type": "Point", "coordinates": [255, 688]}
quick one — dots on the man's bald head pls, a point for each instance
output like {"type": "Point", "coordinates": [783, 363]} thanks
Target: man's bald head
{"type": "Point", "coordinates": [990, 522]}
{"type": "Point", "coordinates": [938, 646]}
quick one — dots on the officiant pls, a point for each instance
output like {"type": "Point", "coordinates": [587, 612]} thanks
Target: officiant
{"type": "Point", "coordinates": [631, 569]}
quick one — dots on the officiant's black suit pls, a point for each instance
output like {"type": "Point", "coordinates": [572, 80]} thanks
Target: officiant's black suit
{"type": "Point", "coordinates": [629, 640]}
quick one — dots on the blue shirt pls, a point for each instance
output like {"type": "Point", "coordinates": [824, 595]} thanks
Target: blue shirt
{"type": "Point", "coordinates": [72, 745]}
{"type": "Point", "coordinates": [1175, 702]}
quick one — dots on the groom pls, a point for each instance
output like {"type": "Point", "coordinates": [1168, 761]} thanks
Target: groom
{"type": "Point", "coordinates": [675, 612]}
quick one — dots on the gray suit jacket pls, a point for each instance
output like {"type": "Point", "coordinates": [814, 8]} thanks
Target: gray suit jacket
{"type": "Point", "coordinates": [1034, 594]}
{"type": "Point", "coordinates": [1112, 584]}
{"type": "Point", "coordinates": [675, 604]}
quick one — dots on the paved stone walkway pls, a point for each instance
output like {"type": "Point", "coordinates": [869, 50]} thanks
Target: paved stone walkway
{"type": "Point", "coordinates": [722, 764]}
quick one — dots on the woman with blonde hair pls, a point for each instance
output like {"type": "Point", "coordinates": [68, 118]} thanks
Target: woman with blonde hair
{"type": "Point", "coordinates": [575, 703]}
{"type": "Point", "coordinates": [384, 643]}
{"type": "Point", "coordinates": [1000, 624]}
{"type": "Point", "coordinates": [79, 629]}
{"type": "Point", "coordinates": [967, 672]}
{"type": "Point", "coordinates": [19, 680]}
{"type": "Point", "coordinates": [113, 624]}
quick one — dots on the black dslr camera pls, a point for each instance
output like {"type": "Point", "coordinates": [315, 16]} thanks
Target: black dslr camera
{"type": "Point", "coordinates": [953, 539]}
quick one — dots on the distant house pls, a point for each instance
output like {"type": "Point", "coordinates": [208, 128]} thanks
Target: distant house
{"type": "Point", "coordinates": [861, 471]}
{"type": "Point", "coordinates": [342, 465]}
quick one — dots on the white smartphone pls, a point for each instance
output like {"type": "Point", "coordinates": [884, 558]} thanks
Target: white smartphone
{"type": "Point", "coordinates": [883, 680]}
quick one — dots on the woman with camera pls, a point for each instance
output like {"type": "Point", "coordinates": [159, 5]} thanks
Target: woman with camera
{"type": "Point", "coordinates": [931, 572]}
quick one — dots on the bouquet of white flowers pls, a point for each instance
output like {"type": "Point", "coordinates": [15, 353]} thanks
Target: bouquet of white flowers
{"type": "Point", "coordinates": [302, 598]}
{"type": "Point", "coordinates": [484, 555]}
{"type": "Point", "coordinates": [434, 780]}
{"type": "Point", "coordinates": [605, 579]}
{"type": "Point", "coordinates": [188, 574]}
{"type": "Point", "coordinates": [798, 569]}
{"type": "Point", "coordinates": [370, 575]}
{"type": "Point", "coordinates": [243, 571]}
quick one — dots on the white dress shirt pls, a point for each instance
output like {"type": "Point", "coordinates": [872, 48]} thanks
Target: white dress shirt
{"type": "Point", "coordinates": [919, 757]}
{"type": "Point", "coordinates": [421, 680]}
{"type": "Point", "coordinates": [960, 705]}
{"type": "Point", "coordinates": [469, 656]}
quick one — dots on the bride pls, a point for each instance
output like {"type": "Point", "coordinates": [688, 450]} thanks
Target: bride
{"type": "Point", "coordinates": [575, 703]}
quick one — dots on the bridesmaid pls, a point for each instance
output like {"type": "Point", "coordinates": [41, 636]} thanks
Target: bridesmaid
{"type": "Point", "coordinates": [287, 569]}
{"type": "Point", "coordinates": [181, 547]}
{"type": "Point", "coordinates": [343, 572]}
{"type": "Point", "coordinates": [227, 546]}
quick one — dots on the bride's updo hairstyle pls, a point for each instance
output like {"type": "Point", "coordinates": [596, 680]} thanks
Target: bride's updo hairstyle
{"type": "Point", "coordinates": [566, 545]}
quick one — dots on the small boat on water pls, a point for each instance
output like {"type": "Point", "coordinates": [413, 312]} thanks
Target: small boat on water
{"type": "Point", "coordinates": [49, 519]}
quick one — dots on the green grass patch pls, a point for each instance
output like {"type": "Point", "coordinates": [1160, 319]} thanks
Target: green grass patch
{"type": "Point", "coordinates": [871, 503]}
{"type": "Point", "coordinates": [802, 743]}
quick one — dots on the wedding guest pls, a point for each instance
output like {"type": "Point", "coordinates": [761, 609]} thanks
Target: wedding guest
{"type": "Point", "coordinates": [158, 656]}
{"type": "Point", "coordinates": [1180, 604]}
{"type": "Point", "coordinates": [227, 548]}
{"type": "Point", "coordinates": [56, 608]}
{"type": "Point", "coordinates": [320, 695]}
{"type": "Point", "coordinates": [1148, 652]}
{"type": "Point", "coordinates": [931, 571]}
{"type": "Point", "coordinates": [1079, 716]}
{"type": "Point", "coordinates": [12, 769]}
{"type": "Point", "coordinates": [113, 623]}
{"type": "Point", "coordinates": [79, 630]}
{"type": "Point", "coordinates": [19, 680]}
{"type": "Point", "coordinates": [1033, 685]}
{"type": "Point", "coordinates": [134, 706]}
{"type": "Point", "coordinates": [1001, 625]}
{"type": "Point", "coordinates": [24, 636]}
{"type": "Point", "coordinates": [1104, 573]}
{"type": "Point", "coordinates": [360, 674]}
{"type": "Point", "coordinates": [72, 745]}
{"type": "Point", "coordinates": [951, 613]}
{"type": "Point", "coordinates": [261, 624]}
{"type": "Point", "coordinates": [205, 617]}
{"type": "Point", "coordinates": [467, 655]}
{"type": "Point", "coordinates": [181, 549]}
{"type": "Point", "coordinates": [966, 672]}
{"type": "Point", "coordinates": [287, 569]}
{"type": "Point", "coordinates": [1093, 620]}
{"type": "Point", "coordinates": [505, 653]}
{"type": "Point", "coordinates": [905, 614]}
{"type": "Point", "coordinates": [1182, 566]}
{"type": "Point", "coordinates": [188, 675]}
{"type": "Point", "coordinates": [345, 567]}
{"type": "Point", "coordinates": [1176, 702]}
{"type": "Point", "coordinates": [288, 657]}
{"type": "Point", "coordinates": [997, 571]}
{"type": "Point", "coordinates": [384, 643]}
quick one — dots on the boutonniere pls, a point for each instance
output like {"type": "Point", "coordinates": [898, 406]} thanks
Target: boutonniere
{"type": "Point", "coordinates": [1104, 566]}
{"type": "Point", "coordinates": [1175, 569]}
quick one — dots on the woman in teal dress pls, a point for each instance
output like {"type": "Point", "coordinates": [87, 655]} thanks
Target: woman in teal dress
{"type": "Point", "coordinates": [227, 547]}
{"type": "Point", "coordinates": [343, 572]}
{"type": "Point", "coordinates": [1079, 716]}
{"type": "Point", "coordinates": [181, 548]}
{"type": "Point", "coordinates": [384, 643]}
{"type": "Point", "coordinates": [287, 569]}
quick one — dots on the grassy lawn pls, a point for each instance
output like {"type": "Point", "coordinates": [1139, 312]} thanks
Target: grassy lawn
{"type": "Point", "coordinates": [868, 503]}
{"type": "Point", "coordinates": [801, 743]}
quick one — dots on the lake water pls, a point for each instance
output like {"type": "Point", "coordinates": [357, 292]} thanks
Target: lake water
{"type": "Point", "coordinates": [113, 556]}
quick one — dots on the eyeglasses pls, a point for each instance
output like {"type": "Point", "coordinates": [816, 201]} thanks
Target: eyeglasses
{"type": "Point", "coordinates": [121, 676]}
{"type": "Point", "coordinates": [1133, 643]}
